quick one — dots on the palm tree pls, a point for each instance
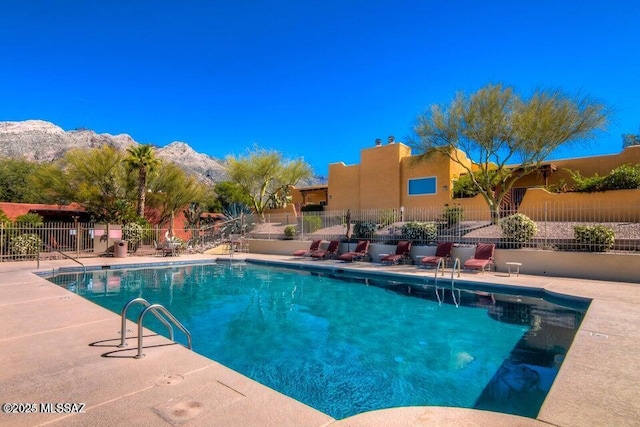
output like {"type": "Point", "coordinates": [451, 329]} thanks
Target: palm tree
{"type": "Point", "coordinates": [143, 159]}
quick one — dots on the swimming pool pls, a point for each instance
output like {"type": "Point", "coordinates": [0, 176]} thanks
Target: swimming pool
{"type": "Point", "coordinates": [346, 345]}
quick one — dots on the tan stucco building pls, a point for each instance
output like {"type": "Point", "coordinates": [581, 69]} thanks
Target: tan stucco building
{"type": "Point", "coordinates": [389, 176]}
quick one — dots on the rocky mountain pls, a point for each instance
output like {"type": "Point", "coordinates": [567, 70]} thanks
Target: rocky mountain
{"type": "Point", "coordinates": [42, 141]}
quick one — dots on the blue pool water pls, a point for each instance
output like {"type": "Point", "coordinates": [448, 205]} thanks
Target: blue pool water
{"type": "Point", "coordinates": [346, 346]}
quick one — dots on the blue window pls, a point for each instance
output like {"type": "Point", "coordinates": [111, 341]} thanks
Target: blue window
{"type": "Point", "coordinates": [421, 186]}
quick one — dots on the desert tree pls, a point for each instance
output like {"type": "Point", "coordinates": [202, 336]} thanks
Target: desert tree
{"type": "Point", "coordinates": [264, 175]}
{"type": "Point", "coordinates": [95, 178]}
{"type": "Point", "coordinates": [171, 190]}
{"type": "Point", "coordinates": [505, 135]}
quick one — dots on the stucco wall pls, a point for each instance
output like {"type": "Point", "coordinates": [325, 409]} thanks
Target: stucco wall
{"type": "Point", "coordinates": [438, 167]}
{"type": "Point", "coordinates": [344, 186]}
{"type": "Point", "coordinates": [607, 206]}
{"type": "Point", "coordinates": [584, 265]}
{"type": "Point", "coordinates": [380, 176]}
{"type": "Point", "coordinates": [587, 166]}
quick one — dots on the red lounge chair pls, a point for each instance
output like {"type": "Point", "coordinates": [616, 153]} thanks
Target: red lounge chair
{"type": "Point", "coordinates": [361, 250]}
{"type": "Point", "coordinates": [443, 252]}
{"type": "Point", "coordinates": [402, 251]}
{"type": "Point", "coordinates": [482, 258]}
{"type": "Point", "coordinates": [331, 251]}
{"type": "Point", "coordinates": [315, 245]}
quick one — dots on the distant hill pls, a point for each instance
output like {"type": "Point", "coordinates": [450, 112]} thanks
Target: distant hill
{"type": "Point", "coordinates": [42, 141]}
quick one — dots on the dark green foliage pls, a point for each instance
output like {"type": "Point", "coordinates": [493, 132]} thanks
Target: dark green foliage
{"type": "Point", "coordinates": [30, 218]}
{"type": "Point", "coordinates": [625, 177]}
{"type": "Point", "coordinates": [452, 215]}
{"type": "Point", "coordinates": [363, 229]}
{"type": "Point", "coordinates": [311, 223]}
{"type": "Point", "coordinates": [464, 187]}
{"type": "Point", "coordinates": [16, 183]}
{"type": "Point", "coordinates": [594, 238]}
{"type": "Point", "coordinates": [228, 192]}
{"type": "Point", "coordinates": [289, 232]}
{"type": "Point", "coordinates": [422, 232]}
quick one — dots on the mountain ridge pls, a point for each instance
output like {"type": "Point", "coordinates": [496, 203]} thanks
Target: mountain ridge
{"type": "Point", "coordinates": [42, 141]}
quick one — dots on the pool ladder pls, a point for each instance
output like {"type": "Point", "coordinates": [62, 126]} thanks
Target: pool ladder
{"type": "Point", "coordinates": [160, 312]}
{"type": "Point", "coordinates": [440, 297]}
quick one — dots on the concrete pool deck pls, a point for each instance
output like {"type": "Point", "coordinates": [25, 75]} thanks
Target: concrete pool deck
{"type": "Point", "coordinates": [60, 348]}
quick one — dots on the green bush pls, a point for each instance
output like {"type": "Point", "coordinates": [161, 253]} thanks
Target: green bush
{"type": "Point", "coordinates": [424, 232]}
{"type": "Point", "coordinates": [452, 215]}
{"type": "Point", "coordinates": [132, 233]}
{"type": "Point", "coordinates": [386, 217]}
{"type": "Point", "coordinates": [25, 244]}
{"type": "Point", "coordinates": [289, 232]}
{"type": "Point", "coordinates": [464, 187]}
{"type": "Point", "coordinates": [30, 218]}
{"type": "Point", "coordinates": [311, 223]}
{"type": "Point", "coordinates": [625, 177]}
{"type": "Point", "coordinates": [518, 228]}
{"type": "Point", "coordinates": [363, 229]}
{"type": "Point", "coordinates": [594, 238]}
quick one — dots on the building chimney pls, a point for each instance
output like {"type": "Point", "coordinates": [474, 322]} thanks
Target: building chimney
{"type": "Point", "coordinates": [392, 139]}
{"type": "Point", "coordinates": [378, 142]}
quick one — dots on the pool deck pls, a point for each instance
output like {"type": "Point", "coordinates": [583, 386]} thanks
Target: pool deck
{"type": "Point", "coordinates": [57, 347]}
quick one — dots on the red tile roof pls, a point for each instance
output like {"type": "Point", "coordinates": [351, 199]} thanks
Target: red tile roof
{"type": "Point", "coordinates": [14, 210]}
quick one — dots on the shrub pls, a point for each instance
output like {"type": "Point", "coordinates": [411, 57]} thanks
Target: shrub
{"type": "Point", "coordinates": [363, 229]}
{"type": "Point", "coordinates": [30, 218]}
{"type": "Point", "coordinates": [386, 217]}
{"type": "Point", "coordinates": [289, 232]}
{"type": "Point", "coordinates": [452, 215]}
{"type": "Point", "coordinates": [594, 238]}
{"type": "Point", "coordinates": [132, 233]}
{"type": "Point", "coordinates": [25, 244]}
{"type": "Point", "coordinates": [625, 177]}
{"type": "Point", "coordinates": [518, 228]}
{"type": "Point", "coordinates": [464, 187]}
{"type": "Point", "coordinates": [425, 232]}
{"type": "Point", "coordinates": [311, 223]}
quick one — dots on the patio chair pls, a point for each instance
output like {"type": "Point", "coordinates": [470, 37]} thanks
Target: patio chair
{"type": "Point", "coordinates": [330, 251]}
{"type": "Point", "coordinates": [402, 252]}
{"type": "Point", "coordinates": [482, 258]}
{"type": "Point", "coordinates": [443, 252]}
{"type": "Point", "coordinates": [315, 245]}
{"type": "Point", "coordinates": [158, 249]}
{"type": "Point", "coordinates": [361, 251]}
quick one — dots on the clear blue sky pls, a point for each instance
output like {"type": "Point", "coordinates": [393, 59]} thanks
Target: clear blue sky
{"type": "Point", "coordinates": [314, 79]}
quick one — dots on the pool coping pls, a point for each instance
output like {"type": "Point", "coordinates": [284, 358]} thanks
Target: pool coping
{"type": "Point", "coordinates": [595, 385]}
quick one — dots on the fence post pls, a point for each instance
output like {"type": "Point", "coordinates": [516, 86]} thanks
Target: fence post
{"type": "Point", "coordinates": [77, 226]}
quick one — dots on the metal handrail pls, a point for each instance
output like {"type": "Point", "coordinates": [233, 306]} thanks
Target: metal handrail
{"type": "Point", "coordinates": [455, 264]}
{"type": "Point", "coordinates": [123, 316]}
{"type": "Point", "coordinates": [167, 313]}
{"type": "Point", "coordinates": [441, 266]}
{"type": "Point", "coordinates": [440, 299]}
{"type": "Point", "coordinates": [453, 289]}
{"type": "Point", "coordinates": [84, 268]}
